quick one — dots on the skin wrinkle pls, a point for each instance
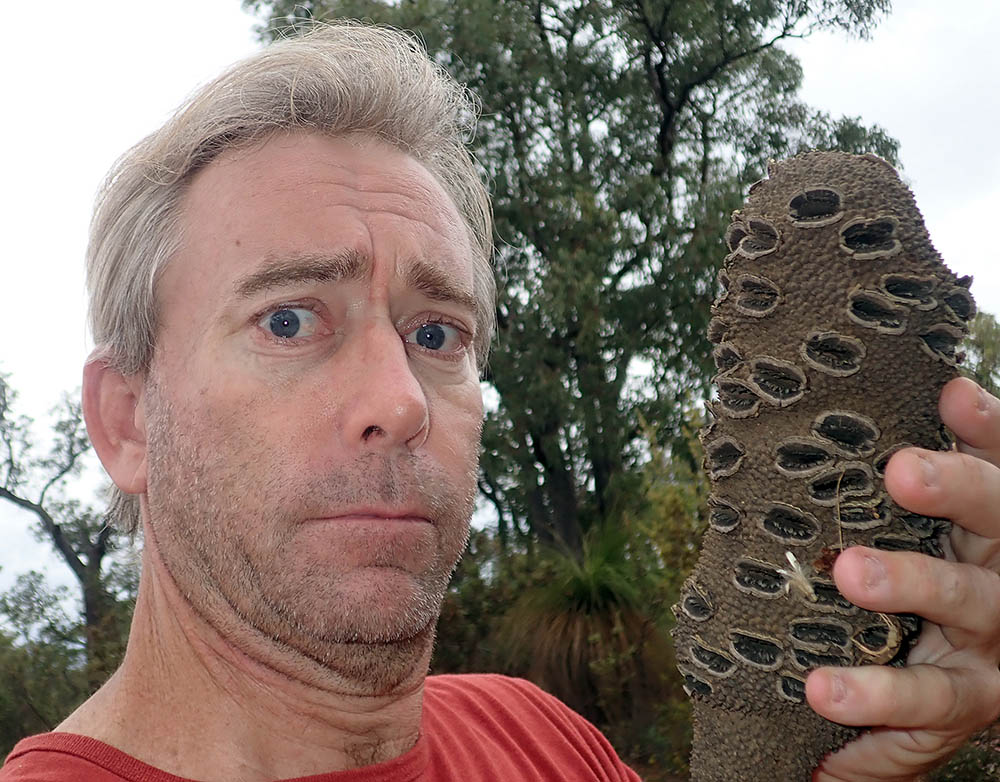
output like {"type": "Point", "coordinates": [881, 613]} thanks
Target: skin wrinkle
{"type": "Point", "coordinates": [192, 638]}
{"type": "Point", "coordinates": [361, 750]}
{"type": "Point", "coordinates": [225, 676]}
{"type": "Point", "coordinates": [351, 266]}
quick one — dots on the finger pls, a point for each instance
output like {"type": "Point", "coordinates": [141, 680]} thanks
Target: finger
{"type": "Point", "coordinates": [969, 547]}
{"type": "Point", "coordinates": [918, 696]}
{"type": "Point", "coordinates": [972, 414]}
{"type": "Point", "coordinates": [947, 483]}
{"type": "Point", "coordinates": [886, 755]}
{"type": "Point", "coordinates": [980, 453]}
{"type": "Point", "coordinates": [955, 595]}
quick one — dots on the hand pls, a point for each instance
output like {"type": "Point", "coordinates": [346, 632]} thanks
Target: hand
{"type": "Point", "coordinates": [951, 685]}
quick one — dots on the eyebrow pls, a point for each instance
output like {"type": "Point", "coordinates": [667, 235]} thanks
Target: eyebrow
{"type": "Point", "coordinates": [435, 284]}
{"type": "Point", "coordinates": [350, 265]}
{"type": "Point", "coordinates": [277, 272]}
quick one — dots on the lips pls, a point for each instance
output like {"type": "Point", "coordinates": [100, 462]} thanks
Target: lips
{"type": "Point", "coordinates": [378, 514]}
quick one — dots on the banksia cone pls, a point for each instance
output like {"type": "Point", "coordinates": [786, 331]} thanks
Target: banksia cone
{"type": "Point", "coordinates": [837, 327]}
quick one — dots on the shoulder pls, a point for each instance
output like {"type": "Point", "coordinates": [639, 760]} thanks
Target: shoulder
{"type": "Point", "coordinates": [68, 757]}
{"type": "Point", "coordinates": [478, 691]}
{"type": "Point", "coordinates": [514, 719]}
{"type": "Point", "coordinates": [492, 685]}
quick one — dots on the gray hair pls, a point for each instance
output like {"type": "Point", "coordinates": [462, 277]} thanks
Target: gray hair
{"type": "Point", "coordinates": [338, 79]}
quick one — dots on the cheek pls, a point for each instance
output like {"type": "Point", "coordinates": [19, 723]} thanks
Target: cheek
{"type": "Point", "coordinates": [456, 425]}
{"type": "Point", "coordinates": [245, 397]}
{"type": "Point", "coordinates": [246, 408]}
{"type": "Point", "coordinates": [237, 441]}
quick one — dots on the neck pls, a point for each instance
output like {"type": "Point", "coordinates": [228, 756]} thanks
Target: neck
{"type": "Point", "coordinates": [267, 711]}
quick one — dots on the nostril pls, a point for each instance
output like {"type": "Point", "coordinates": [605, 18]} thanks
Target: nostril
{"type": "Point", "coordinates": [370, 432]}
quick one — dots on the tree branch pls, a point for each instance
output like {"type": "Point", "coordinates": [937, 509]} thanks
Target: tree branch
{"type": "Point", "coordinates": [489, 490]}
{"type": "Point", "coordinates": [46, 724]}
{"type": "Point", "coordinates": [61, 473]}
{"type": "Point", "coordinates": [52, 529]}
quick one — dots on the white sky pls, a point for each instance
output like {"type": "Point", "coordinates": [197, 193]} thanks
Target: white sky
{"type": "Point", "coordinates": [90, 79]}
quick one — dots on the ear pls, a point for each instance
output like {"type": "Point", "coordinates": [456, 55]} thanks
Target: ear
{"type": "Point", "coordinates": [115, 415]}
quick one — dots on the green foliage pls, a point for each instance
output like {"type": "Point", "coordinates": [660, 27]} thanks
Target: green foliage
{"type": "Point", "coordinates": [618, 138]}
{"type": "Point", "coordinates": [42, 663]}
{"type": "Point", "coordinates": [37, 613]}
{"type": "Point", "coordinates": [487, 582]}
{"type": "Point", "coordinates": [672, 513]}
{"type": "Point", "coordinates": [982, 346]}
{"type": "Point", "coordinates": [53, 660]}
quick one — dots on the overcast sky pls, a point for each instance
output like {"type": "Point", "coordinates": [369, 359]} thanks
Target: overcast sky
{"type": "Point", "coordinates": [89, 79]}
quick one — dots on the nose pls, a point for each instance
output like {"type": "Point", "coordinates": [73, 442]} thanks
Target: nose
{"type": "Point", "coordinates": [387, 407]}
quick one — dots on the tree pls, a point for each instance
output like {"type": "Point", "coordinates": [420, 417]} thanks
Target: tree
{"type": "Point", "coordinates": [982, 352]}
{"type": "Point", "coordinates": [81, 536]}
{"type": "Point", "coordinates": [618, 137]}
{"type": "Point", "coordinates": [42, 662]}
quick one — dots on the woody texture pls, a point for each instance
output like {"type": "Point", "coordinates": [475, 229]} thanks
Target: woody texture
{"type": "Point", "coordinates": [836, 329]}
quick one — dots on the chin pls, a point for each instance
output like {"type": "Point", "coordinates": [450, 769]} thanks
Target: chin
{"type": "Point", "coordinates": [370, 606]}
{"type": "Point", "coordinates": [372, 654]}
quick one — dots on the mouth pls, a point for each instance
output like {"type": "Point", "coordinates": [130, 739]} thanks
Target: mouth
{"type": "Point", "coordinates": [398, 515]}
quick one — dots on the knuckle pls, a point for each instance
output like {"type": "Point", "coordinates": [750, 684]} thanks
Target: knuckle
{"type": "Point", "coordinates": [967, 462]}
{"type": "Point", "coordinates": [992, 698]}
{"type": "Point", "coordinates": [894, 691]}
{"type": "Point", "coordinates": [952, 585]}
{"type": "Point", "coordinates": [927, 743]}
{"type": "Point", "coordinates": [981, 701]}
{"type": "Point", "coordinates": [991, 597]}
{"type": "Point", "coordinates": [956, 700]}
{"type": "Point", "coordinates": [973, 479]}
{"type": "Point", "coordinates": [987, 483]}
{"type": "Point", "coordinates": [925, 580]}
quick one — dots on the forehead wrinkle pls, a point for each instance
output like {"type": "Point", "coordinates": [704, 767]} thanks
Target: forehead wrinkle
{"type": "Point", "coordinates": [278, 271]}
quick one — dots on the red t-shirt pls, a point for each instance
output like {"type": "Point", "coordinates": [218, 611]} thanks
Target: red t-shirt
{"type": "Point", "coordinates": [475, 727]}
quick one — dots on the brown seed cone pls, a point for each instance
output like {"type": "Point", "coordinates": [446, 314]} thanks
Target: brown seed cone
{"type": "Point", "coordinates": [837, 328]}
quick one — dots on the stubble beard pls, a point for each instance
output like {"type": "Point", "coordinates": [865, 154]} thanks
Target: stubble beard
{"type": "Point", "coordinates": [224, 526]}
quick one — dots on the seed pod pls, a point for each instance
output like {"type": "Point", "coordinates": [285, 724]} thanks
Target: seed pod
{"type": "Point", "coordinates": [837, 331]}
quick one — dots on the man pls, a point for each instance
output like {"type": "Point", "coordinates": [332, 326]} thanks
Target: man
{"type": "Point", "coordinates": [291, 300]}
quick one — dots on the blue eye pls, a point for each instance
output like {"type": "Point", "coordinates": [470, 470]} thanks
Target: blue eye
{"type": "Point", "coordinates": [290, 322]}
{"type": "Point", "coordinates": [435, 336]}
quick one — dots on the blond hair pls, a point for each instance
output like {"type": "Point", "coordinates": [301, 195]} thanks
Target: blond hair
{"type": "Point", "coordinates": [337, 79]}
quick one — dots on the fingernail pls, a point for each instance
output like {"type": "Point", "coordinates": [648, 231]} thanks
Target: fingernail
{"type": "Point", "coordinates": [839, 689]}
{"type": "Point", "coordinates": [928, 470]}
{"type": "Point", "coordinates": [874, 572]}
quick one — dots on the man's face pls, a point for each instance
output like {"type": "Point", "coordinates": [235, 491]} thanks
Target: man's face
{"type": "Point", "coordinates": [313, 409]}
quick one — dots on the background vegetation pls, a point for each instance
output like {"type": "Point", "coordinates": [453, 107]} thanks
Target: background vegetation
{"type": "Point", "coordinates": [618, 137]}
